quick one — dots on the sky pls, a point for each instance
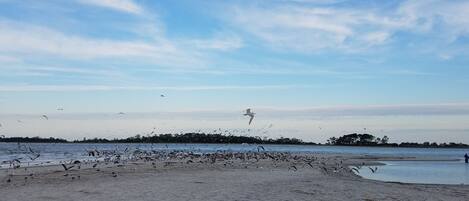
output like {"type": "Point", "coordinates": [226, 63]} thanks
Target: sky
{"type": "Point", "coordinates": [310, 69]}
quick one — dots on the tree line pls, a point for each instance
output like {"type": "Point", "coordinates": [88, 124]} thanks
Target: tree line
{"type": "Point", "coordinates": [353, 139]}
{"type": "Point", "coordinates": [356, 139]}
{"type": "Point", "coordinates": [33, 139]}
{"type": "Point", "coordinates": [169, 138]}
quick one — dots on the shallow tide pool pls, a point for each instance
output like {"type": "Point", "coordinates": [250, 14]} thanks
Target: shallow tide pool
{"type": "Point", "coordinates": [424, 172]}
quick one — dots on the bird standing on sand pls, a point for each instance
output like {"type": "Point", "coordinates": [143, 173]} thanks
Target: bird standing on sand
{"type": "Point", "coordinates": [250, 114]}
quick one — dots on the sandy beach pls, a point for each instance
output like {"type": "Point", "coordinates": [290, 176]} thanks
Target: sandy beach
{"type": "Point", "coordinates": [181, 179]}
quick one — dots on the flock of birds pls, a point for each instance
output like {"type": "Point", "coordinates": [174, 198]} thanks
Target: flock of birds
{"type": "Point", "coordinates": [107, 158]}
{"type": "Point", "coordinates": [96, 160]}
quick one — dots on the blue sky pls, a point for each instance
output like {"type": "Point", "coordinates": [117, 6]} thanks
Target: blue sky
{"type": "Point", "coordinates": [385, 64]}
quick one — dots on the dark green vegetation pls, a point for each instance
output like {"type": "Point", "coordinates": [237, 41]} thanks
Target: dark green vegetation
{"type": "Point", "coordinates": [356, 139]}
{"type": "Point", "coordinates": [32, 139]}
{"type": "Point", "coordinates": [196, 138]}
{"type": "Point", "coordinates": [353, 139]}
{"type": "Point", "coordinates": [171, 138]}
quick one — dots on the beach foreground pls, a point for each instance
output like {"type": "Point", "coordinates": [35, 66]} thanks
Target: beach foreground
{"type": "Point", "coordinates": [261, 179]}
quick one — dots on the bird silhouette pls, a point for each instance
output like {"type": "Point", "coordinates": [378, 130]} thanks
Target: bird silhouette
{"type": "Point", "coordinates": [373, 170]}
{"type": "Point", "coordinates": [67, 168]}
{"type": "Point", "coordinates": [250, 114]}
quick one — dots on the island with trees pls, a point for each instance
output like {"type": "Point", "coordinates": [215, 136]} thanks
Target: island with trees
{"type": "Point", "coordinates": [354, 139]}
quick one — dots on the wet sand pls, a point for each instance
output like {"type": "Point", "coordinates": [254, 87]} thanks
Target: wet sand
{"type": "Point", "coordinates": [221, 180]}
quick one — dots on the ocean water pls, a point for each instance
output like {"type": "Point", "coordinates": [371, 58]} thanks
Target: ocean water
{"type": "Point", "coordinates": [423, 172]}
{"type": "Point", "coordinates": [444, 172]}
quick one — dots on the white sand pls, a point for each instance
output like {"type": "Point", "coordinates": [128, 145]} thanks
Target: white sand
{"type": "Point", "coordinates": [262, 180]}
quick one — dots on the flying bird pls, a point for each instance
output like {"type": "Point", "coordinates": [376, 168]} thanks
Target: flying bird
{"type": "Point", "coordinates": [162, 96]}
{"type": "Point", "coordinates": [45, 117]}
{"type": "Point", "coordinates": [356, 170]}
{"type": "Point", "coordinates": [260, 147]}
{"type": "Point", "coordinates": [373, 170]}
{"type": "Point", "coordinates": [250, 114]}
{"type": "Point", "coordinates": [60, 109]}
{"type": "Point", "coordinates": [120, 113]}
{"type": "Point", "coordinates": [293, 168]}
{"type": "Point", "coordinates": [32, 154]}
{"type": "Point", "coordinates": [67, 168]}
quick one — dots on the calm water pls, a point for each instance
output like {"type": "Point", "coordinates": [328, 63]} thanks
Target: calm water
{"type": "Point", "coordinates": [402, 171]}
{"type": "Point", "coordinates": [424, 172]}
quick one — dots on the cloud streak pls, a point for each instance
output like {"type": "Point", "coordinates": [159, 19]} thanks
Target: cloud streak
{"type": "Point", "coordinates": [128, 6]}
{"type": "Point", "coordinates": [446, 109]}
{"type": "Point", "coordinates": [316, 27]}
{"type": "Point", "coordinates": [223, 42]}
{"type": "Point", "coordinates": [29, 39]}
{"type": "Point", "coordinates": [65, 88]}
{"type": "Point", "coordinates": [376, 110]}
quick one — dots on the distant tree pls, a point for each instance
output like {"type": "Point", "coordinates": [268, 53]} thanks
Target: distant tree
{"type": "Point", "coordinates": [384, 140]}
{"type": "Point", "coordinates": [332, 140]}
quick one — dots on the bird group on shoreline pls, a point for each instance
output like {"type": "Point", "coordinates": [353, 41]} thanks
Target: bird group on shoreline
{"type": "Point", "coordinates": [161, 159]}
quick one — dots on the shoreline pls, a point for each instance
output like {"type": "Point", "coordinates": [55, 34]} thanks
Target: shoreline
{"type": "Point", "coordinates": [257, 144]}
{"type": "Point", "coordinates": [282, 177]}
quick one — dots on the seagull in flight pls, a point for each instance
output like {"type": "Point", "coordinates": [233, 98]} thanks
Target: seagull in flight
{"type": "Point", "coordinates": [250, 114]}
{"type": "Point", "coordinates": [67, 168]}
{"type": "Point", "coordinates": [60, 109]}
{"type": "Point", "coordinates": [162, 96]}
{"type": "Point", "coordinates": [45, 117]}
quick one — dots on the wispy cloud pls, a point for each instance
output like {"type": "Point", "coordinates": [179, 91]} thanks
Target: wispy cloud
{"type": "Point", "coordinates": [320, 26]}
{"type": "Point", "coordinates": [223, 42]}
{"type": "Point", "coordinates": [8, 59]}
{"type": "Point", "coordinates": [58, 88]}
{"type": "Point", "coordinates": [22, 38]}
{"type": "Point", "coordinates": [375, 110]}
{"type": "Point", "coordinates": [311, 113]}
{"type": "Point", "coordinates": [128, 6]}
{"type": "Point", "coordinates": [315, 28]}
